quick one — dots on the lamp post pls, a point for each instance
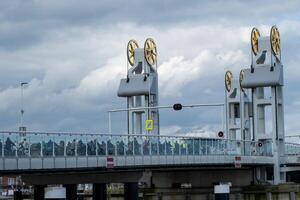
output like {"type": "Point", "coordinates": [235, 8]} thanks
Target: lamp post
{"type": "Point", "coordinates": [22, 127]}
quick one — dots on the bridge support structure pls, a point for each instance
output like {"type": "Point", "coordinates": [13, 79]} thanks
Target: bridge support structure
{"type": "Point", "coordinates": [71, 191]}
{"type": "Point", "coordinates": [131, 191]}
{"type": "Point", "coordinates": [99, 191]}
{"type": "Point", "coordinates": [237, 105]}
{"type": "Point", "coordinates": [140, 87]}
{"type": "Point", "coordinates": [39, 192]}
{"type": "Point", "coordinates": [265, 79]}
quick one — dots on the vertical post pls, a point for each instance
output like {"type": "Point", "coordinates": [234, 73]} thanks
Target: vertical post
{"type": "Point", "coordinates": [138, 129]}
{"type": "Point", "coordinates": [99, 191]}
{"type": "Point", "coordinates": [278, 132]}
{"type": "Point", "coordinates": [22, 127]}
{"type": "Point", "coordinates": [22, 110]}
{"type": "Point", "coordinates": [109, 122]}
{"type": "Point", "coordinates": [223, 119]}
{"type": "Point", "coordinates": [130, 191]}
{"type": "Point", "coordinates": [71, 191]}
{"type": "Point", "coordinates": [39, 192]}
{"type": "Point", "coordinates": [130, 104]}
{"type": "Point", "coordinates": [226, 114]}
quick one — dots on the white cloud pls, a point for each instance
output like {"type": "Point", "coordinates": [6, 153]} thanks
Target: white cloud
{"type": "Point", "coordinates": [74, 58]}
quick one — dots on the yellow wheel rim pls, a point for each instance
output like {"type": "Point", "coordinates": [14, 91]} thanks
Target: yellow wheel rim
{"type": "Point", "coordinates": [275, 40]}
{"type": "Point", "coordinates": [228, 80]}
{"type": "Point", "coordinates": [150, 51]}
{"type": "Point", "coordinates": [241, 79]}
{"type": "Point", "coordinates": [131, 46]}
{"type": "Point", "coordinates": [254, 40]}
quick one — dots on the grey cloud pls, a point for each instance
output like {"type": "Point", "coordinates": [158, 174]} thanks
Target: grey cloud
{"type": "Point", "coordinates": [63, 48]}
{"type": "Point", "coordinates": [25, 23]}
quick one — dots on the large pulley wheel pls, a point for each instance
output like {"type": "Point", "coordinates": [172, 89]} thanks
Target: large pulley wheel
{"type": "Point", "coordinates": [241, 79]}
{"type": "Point", "coordinates": [131, 46]}
{"type": "Point", "coordinates": [254, 40]}
{"type": "Point", "coordinates": [228, 80]}
{"type": "Point", "coordinates": [150, 51]}
{"type": "Point", "coordinates": [275, 40]}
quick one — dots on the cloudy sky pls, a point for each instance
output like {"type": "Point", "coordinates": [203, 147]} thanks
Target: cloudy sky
{"type": "Point", "coordinates": [73, 53]}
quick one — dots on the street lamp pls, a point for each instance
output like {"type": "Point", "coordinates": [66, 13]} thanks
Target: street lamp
{"type": "Point", "coordinates": [22, 127]}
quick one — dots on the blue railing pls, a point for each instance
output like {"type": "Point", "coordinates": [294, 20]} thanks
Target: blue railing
{"type": "Point", "coordinates": [32, 144]}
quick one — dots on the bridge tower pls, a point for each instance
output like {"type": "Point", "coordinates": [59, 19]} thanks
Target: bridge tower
{"type": "Point", "coordinates": [140, 87]}
{"type": "Point", "coordinates": [237, 105]}
{"type": "Point", "coordinates": [265, 79]}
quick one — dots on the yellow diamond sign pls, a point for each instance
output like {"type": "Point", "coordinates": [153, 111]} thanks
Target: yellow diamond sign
{"type": "Point", "coordinates": [149, 125]}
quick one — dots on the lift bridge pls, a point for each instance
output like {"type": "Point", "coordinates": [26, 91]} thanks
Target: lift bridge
{"type": "Point", "coordinates": [242, 154]}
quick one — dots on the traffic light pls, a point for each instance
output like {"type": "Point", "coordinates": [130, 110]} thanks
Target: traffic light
{"type": "Point", "coordinates": [177, 106]}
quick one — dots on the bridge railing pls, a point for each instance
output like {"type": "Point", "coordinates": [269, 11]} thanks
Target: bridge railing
{"type": "Point", "coordinates": [292, 148]}
{"type": "Point", "coordinates": [30, 144]}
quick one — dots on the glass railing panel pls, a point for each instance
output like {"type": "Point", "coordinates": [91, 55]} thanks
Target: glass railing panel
{"type": "Point", "coordinates": [218, 149]}
{"type": "Point", "coordinates": [129, 145]}
{"type": "Point", "coordinates": [238, 147]}
{"type": "Point", "coordinates": [162, 145]}
{"type": "Point", "coordinates": [196, 146]}
{"type": "Point", "coordinates": [23, 145]}
{"type": "Point", "coordinates": [47, 145]}
{"type": "Point", "coordinates": [292, 149]}
{"type": "Point", "coordinates": [71, 145]}
{"type": "Point", "coordinates": [120, 146]}
{"type": "Point", "coordinates": [10, 141]}
{"type": "Point", "coordinates": [268, 148]}
{"type": "Point", "coordinates": [176, 146]}
{"type": "Point", "coordinates": [209, 148]}
{"type": "Point", "coordinates": [183, 146]}
{"type": "Point", "coordinates": [137, 145]}
{"type": "Point", "coordinates": [286, 148]}
{"type": "Point", "coordinates": [101, 145]}
{"type": "Point", "coordinates": [154, 145]}
{"type": "Point", "coordinates": [202, 148]}
{"type": "Point", "coordinates": [247, 148]}
{"type": "Point", "coordinates": [1, 145]}
{"type": "Point", "coordinates": [81, 145]}
{"type": "Point", "coordinates": [190, 146]}
{"type": "Point", "coordinates": [232, 147]}
{"type": "Point", "coordinates": [59, 145]}
{"type": "Point", "coordinates": [214, 147]}
{"type": "Point", "coordinates": [146, 145]}
{"type": "Point", "coordinates": [223, 147]}
{"type": "Point", "coordinates": [91, 145]}
{"type": "Point", "coordinates": [253, 148]}
{"type": "Point", "coordinates": [169, 145]}
{"type": "Point", "coordinates": [111, 145]}
{"type": "Point", "coordinates": [35, 145]}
